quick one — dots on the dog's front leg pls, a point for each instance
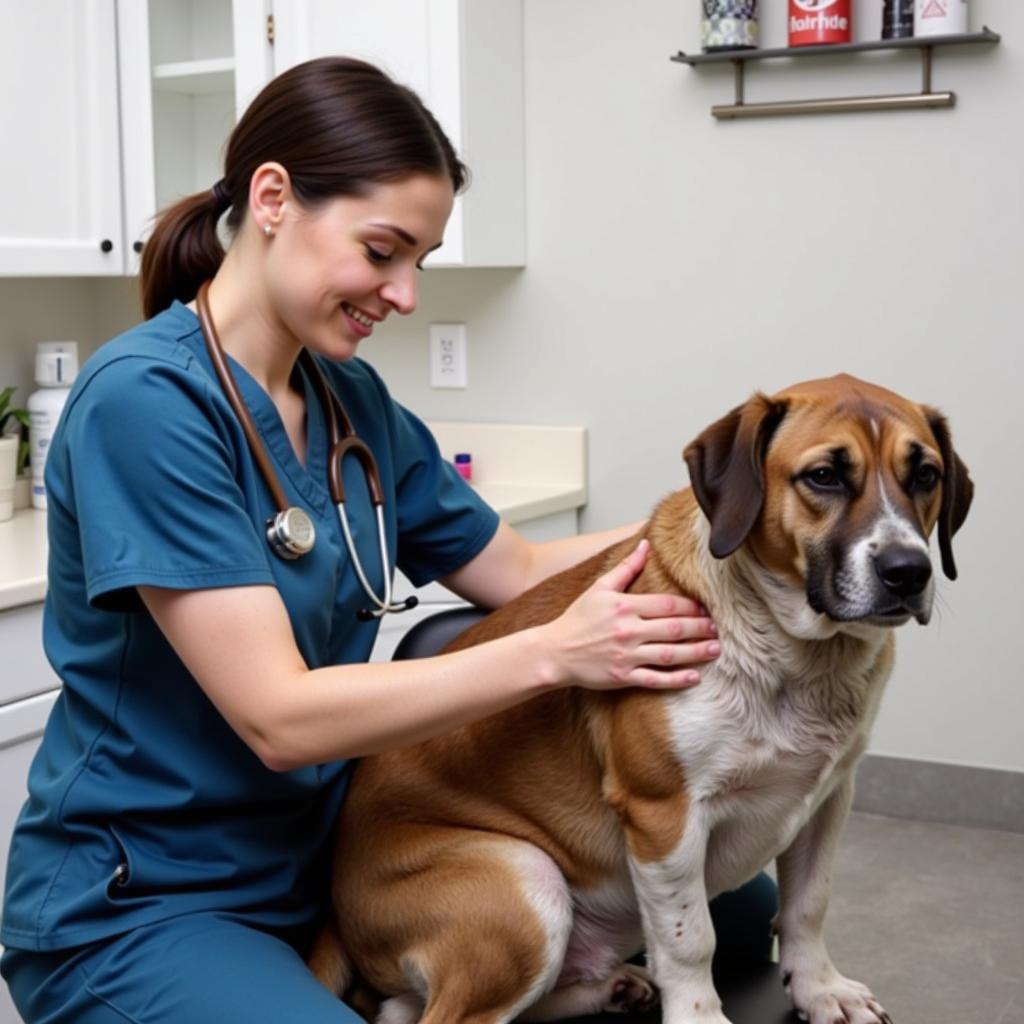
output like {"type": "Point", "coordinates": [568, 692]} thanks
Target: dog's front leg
{"type": "Point", "coordinates": [674, 908]}
{"type": "Point", "coordinates": [819, 992]}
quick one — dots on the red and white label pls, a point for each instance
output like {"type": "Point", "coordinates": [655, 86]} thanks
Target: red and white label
{"type": "Point", "coordinates": [813, 22]}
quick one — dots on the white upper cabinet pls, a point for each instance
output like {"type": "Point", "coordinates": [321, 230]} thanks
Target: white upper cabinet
{"type": "Point", "coordinates": [188, 69]}
{"type": "Point", "coordinates": [60, 173]}
{"type": "Point", "coordinates": [116, 108]}
{"type": "Point", "coordinates": [465, 59]}
{"type": "Point", "coordinates": [113, 110]}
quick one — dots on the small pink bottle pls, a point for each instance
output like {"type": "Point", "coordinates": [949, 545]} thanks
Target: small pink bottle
{"type": "Point", "coordinates": [464, 465]}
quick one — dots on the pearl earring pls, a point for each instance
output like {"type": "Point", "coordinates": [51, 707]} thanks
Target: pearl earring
{"type": "Point", "coordinates": [267, 230]}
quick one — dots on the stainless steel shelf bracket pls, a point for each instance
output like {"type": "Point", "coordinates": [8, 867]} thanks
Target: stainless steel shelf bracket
{"type": "Point", "coordinates": [927, 98]}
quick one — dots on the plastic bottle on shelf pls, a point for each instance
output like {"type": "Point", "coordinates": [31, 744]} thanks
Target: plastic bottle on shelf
{"type": "Point", "coordinates": [729, 25]}
{"type": "Point", "coordinates": [940, 17]}
{"type": "Point", "coordinates": [817, 22]}
{"type": "Point", "coordinates": [464, 465]}
{"type": "Point", "coordinates": [897, 19]}
{"type": "Point", "coordinates": [56, 369]}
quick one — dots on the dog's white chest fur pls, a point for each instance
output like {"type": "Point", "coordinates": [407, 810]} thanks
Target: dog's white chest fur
{"type": "Point", "coordinates": [774, 725]}
{"type": "Point", "coordinates": [753, 776]}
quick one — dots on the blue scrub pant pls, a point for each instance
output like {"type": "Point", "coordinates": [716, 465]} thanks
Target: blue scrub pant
{"type": "Point", "coordinates": [215, 968]}
{"type": "Point", "coordinates": [205, 968]}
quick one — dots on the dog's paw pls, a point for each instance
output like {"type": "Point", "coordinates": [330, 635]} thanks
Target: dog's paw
{"type": "Point", "coordinates": [834, 1000]}
{"type": "Point", "coordinates": [632, 990]}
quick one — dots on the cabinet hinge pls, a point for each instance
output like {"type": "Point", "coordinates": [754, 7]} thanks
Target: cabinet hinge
{"type": "Point", "coordinates": [270, 29]}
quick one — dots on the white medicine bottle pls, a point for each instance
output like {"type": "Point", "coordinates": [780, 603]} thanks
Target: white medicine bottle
{"type": "Point", "coordinates": [56, 369]}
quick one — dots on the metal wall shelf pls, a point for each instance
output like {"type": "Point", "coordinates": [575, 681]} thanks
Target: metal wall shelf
{"type": "Point", "coordinates": [904, 101]}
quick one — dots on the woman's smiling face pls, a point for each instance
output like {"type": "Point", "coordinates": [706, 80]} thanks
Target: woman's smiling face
{"type": "Point", "coordinates": [336, 269]}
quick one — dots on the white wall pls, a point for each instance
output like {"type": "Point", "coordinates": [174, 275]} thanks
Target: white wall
{"type": "Point", "coordinates": [676, 264]}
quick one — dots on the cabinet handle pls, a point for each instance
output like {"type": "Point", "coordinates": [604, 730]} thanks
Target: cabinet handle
{"type": "Point", "coordinates": [137, 246]}
{"type": "Point", "coordinates": [106, 245]}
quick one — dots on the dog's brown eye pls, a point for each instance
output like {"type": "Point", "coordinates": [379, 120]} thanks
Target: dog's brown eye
{"type": "Point", "coordinates": [926, 477]}
{"type": "Point", "coordinates": [824, 478]}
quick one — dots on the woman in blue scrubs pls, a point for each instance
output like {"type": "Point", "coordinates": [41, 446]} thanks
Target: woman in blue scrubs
{"type": "Point", "coordinates": [169, 865]}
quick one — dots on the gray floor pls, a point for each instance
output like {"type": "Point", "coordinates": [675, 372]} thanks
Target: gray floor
{"type": "Point", "coordinates": [931, 917]}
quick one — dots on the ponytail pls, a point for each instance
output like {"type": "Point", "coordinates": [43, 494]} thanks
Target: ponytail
{"type": "Point", "coordinates": [339, 126]}
{"type": "Point", "coordinates": [183, 251]}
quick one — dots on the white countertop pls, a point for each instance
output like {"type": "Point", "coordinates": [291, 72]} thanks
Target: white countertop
{"type": "Point", "coordinates": [23, 558]}
{"type": "Point", "coordinates": [522, 471]}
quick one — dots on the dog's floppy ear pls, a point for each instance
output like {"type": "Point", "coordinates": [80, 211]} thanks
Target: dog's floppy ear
{"type": "Point", "coordinates": [957, 490]}
{"type": "Point", "coordinates": [726, 464]}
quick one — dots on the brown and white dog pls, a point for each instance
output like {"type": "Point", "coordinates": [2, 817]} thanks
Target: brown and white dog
{"type": "Point", "coordinates": [507, 870]}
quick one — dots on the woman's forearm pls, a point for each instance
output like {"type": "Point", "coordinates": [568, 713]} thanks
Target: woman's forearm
{"type": "Point", "coordinates": [353, 710]}
{"type": "Point", "coordinates": [554, 556]}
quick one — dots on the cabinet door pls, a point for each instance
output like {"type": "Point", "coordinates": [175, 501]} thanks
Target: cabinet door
{"type": "Point", "coordinates": [464, 58]}
{"type": "Point", "coordinates": [59, 125]}
{"type": "Point", "coordinates": [188, 69]}
{"type": "Point", "coordinates": [394, 34]}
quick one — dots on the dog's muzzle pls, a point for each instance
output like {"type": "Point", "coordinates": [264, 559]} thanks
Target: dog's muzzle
{"type": "Point", "coordinates": [886, 586]}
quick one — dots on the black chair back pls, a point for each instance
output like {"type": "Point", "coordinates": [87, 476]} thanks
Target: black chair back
{"type": "Point", "coordinates": [429, 636]}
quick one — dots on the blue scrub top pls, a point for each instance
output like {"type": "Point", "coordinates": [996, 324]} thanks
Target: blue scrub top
{"type": "Point", "coordinates": [143, 803]}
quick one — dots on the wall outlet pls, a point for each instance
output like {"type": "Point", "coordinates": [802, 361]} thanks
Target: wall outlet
{"type": "Point", "coordinates": [447, 355]}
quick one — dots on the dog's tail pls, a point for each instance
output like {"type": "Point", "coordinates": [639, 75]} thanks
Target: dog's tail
{"type": "Point", "coordinates": [328, 961]}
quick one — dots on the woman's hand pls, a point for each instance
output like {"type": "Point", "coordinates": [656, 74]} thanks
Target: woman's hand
{"type": "Point", "coordinates": [607, 639]}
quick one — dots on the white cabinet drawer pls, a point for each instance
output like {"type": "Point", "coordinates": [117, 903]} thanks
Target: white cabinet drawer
{"type": "Point", "coordinates": [25, 719]}
{"type": "Point", "coordinates": [24, 669]}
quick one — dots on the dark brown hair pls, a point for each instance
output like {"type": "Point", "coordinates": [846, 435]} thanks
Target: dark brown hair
{"type": "Point", "coordinates": [338, 126]}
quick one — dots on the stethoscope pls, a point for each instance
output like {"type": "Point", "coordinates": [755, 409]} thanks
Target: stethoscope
{"type": "Point", "coordinates": [290, 532]}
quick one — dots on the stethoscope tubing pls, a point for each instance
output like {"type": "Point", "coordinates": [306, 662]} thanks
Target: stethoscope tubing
{"type": "Point", "coordinates": [383, 605]}
{"type": "Point", "coordinates": [343, 441]}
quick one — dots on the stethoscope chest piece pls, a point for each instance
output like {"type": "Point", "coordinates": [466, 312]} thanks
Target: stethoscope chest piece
{"type": "Point", "coordinates": [291, 533]}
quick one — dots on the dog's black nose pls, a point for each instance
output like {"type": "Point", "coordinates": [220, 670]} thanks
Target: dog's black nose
{"type": "Point", "coordinates": [905, 572]}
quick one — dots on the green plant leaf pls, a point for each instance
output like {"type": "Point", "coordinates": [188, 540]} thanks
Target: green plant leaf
{"type": "Point", "coordinates": [6, 414]}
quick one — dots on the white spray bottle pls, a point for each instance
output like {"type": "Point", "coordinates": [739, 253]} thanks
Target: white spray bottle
{"type": "Point", "coordinates": [56, 369]}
